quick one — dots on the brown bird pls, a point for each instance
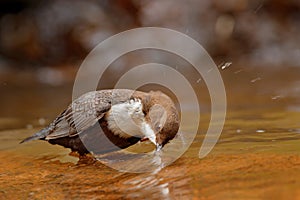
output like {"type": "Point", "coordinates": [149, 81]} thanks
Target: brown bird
{"type": "Point", "coordinates": [125, 117]}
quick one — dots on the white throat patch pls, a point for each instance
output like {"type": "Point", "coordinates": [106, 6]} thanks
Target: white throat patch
{"type": "Point", "coordinates": [148, 132]}
{"type": "Point", "coordinates": [127, 119]}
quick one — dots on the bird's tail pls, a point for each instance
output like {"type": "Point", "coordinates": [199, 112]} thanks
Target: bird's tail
{"type": "Point", "coordinates": [39, 135]}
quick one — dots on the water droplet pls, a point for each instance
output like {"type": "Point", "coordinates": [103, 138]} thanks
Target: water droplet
{"type": "Point", "coordinates": [209, 70]}
{"type": "Point", "coordinates": [42, 121]}
{"type": "Point", "coordinates": [29, 126]}
{"type": "Point", "coordinates": [238, 71]}
{"type": "Point", "coordinates": [276, 97]}
{"type": "Point", "coordinates": [225, 65]}
{"type": "Point", "coordinates": [256, 79]}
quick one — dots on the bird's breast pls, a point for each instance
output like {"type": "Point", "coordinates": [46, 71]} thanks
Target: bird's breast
{"type": "Point", "coordinates": [126, 119]}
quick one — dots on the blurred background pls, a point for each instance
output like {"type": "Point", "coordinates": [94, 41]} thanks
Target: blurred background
{"type": "Point", "coordinates": [60, 32]}
{"type": "Point", "coordinates": [42, 44]}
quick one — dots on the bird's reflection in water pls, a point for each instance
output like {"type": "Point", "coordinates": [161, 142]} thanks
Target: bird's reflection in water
{"type": "Point", "coordinates": [158, 187]}
{"type": "Point", "coordinates": [152, 161]}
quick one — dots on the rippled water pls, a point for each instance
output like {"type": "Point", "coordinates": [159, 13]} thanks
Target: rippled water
{"type": "Point", "coordinates": [257, 156]}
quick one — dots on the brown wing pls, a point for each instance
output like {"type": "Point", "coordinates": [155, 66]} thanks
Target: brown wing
{"type": "Point", "coordinates": [83, 113]}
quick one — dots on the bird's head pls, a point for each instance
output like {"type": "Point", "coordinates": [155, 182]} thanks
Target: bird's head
{"type": "Point", "coordinates": [163, 117]}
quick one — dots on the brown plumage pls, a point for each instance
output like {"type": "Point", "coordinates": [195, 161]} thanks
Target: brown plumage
{"type": "Point", "coordinates": [108, 120]}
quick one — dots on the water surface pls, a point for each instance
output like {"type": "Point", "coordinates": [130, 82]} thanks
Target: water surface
{"type": "Point", "coordinates": [257, 156]}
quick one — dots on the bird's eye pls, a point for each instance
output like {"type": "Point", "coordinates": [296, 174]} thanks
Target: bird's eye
{"type": "Point", "coordinates": [158, 127]}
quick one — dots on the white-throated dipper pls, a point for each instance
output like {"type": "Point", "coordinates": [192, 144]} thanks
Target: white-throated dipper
{"type": "Point", "coordinates": [125, 117]}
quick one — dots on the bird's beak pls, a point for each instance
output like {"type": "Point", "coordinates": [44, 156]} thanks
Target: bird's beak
{"type": "Point", "coordinates": [159, 147]}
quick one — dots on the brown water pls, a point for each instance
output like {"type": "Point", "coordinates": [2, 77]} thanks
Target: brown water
{"type": "Point", "coordinates": [257, 156]}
